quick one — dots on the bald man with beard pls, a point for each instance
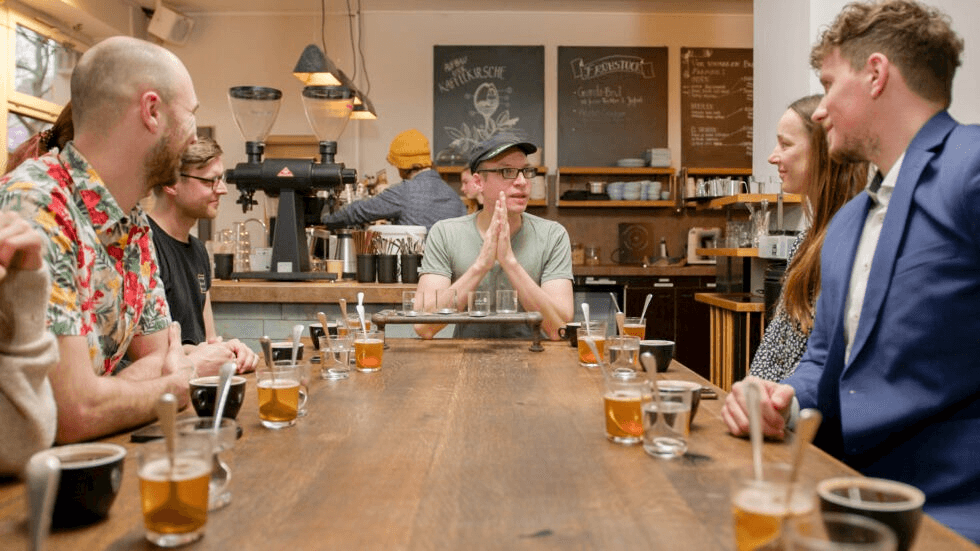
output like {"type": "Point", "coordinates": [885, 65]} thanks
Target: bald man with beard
{"type": "Point", "coordinates": [133, 113]}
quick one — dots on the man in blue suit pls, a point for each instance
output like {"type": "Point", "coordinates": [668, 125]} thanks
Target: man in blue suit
{"type": "Point", "coordinates": [893, 361]}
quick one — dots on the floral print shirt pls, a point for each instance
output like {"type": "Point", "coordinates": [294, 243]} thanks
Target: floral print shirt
{"type": "Point", "coordinates": [105, 282]}
{"type": "Point", "coordinates": [784, 341]}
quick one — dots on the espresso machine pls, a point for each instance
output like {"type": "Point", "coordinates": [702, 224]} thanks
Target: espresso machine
{"type": "Point", "coordinates": [255, 108]}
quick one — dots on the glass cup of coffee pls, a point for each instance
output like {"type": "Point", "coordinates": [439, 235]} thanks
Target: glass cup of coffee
{"type": "Point", "coordinates": [304, 369]}
{"type": "Point", "coordinates": [369, 350]}
{"type": "Point", "coordinates": [174, 489]}
{"type": "Point", "coordinates": [625, 394]}
{"type": "Point", "coordinates": [759, 506]}
{"type": "Point", "coordinates": [337, 350]}
{"type": "Point", "coordinates": [896, 504]}
{"type": "Point", "coordinates": [279, 395]}
{"type": "Point", "coordinates": [596, 330]}
{"type": "Point", "coordinates": [635, 327]}
{"type": "Point", "coordinates": [222, 443]}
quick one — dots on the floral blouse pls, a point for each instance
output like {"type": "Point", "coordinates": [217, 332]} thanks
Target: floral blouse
{"type": "Point", "coordinates": [784, 342]}
{"type": "Point", "coordinates": [105, 281]}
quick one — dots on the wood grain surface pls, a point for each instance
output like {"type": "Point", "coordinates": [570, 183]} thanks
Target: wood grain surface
{"type": "Point", "coordinates": [458, 444]}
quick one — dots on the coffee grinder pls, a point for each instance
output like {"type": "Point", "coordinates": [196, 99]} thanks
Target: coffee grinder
{"type": "Point", "coordinates": [255, 108]}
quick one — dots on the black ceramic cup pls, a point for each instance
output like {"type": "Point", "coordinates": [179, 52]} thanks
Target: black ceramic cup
{"type": "Point", "coordinates": [387, 268]}
{"type": "Point", "coordinates": [895, 504]}
{"type": "Point", "coordinates": [204, 396]}
{"type": "Point", "coordinates": [410, 267]}
{"type": "Point", "coordinates": [284, 350]}
{"type": "Point", "coordinates": [223, 263]}
{"type": "Point", "coordinates": [367, 268]}
{"type": "Point", "coordinates": [663, 352]}
{"type": "Point", "coordinates": [570, 333]}
{"type": "Point", "coordinates": [91, 474]}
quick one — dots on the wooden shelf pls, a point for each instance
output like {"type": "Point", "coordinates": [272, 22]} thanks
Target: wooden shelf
{"type": "Point", "coordinates": [615, 170]}
{"type": "Point", "coordinates": [742, 252]}
{"type": "Point", "coordinates": [720, 202]}
{"type": "Point", "coordinates": [444, 169]}
{"type": "Point", "coordinates": [716, 171]}
{"type": "Point", "coordinates": [733, 302]}
{"type": "Point", "coordinates": [537, 203]}
{"type": "Point", "coordinates": [615, 204]}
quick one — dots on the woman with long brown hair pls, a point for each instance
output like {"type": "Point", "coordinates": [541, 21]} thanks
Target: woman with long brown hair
{"type": "Point", "coordinates": [806, 168]}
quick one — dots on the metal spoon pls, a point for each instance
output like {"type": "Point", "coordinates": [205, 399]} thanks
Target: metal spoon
{"type": "Point", "coordinates": [643, 315]}
{"type": "Point", "coordinates": [650, 364]}
{"type": "Point", "coordinates": [43, 473]}
{"type": "Point", "coordinates": [806, 429]}
{"type": "Point", "coordinates": [266, 344]}
{"type": "Point", "coordinates": [585, 313]}
{"type": "Point", "coordinates": [297, 334]}
{"type": "Point", "coordinates": [360, 315]}
{"type": "Point", "coordinates": [224, 384]}
{"type": "Point", "coordinates": [612, 295]}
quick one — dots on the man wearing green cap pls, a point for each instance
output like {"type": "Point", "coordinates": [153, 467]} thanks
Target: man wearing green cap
{"type": "Point", "coordinates": [421, 199]}
{"type": "Point", "coordinates": [501, 247]}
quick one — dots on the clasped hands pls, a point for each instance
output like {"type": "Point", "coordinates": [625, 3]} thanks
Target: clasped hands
{"type": "Point", "coordinates": [775, 400]}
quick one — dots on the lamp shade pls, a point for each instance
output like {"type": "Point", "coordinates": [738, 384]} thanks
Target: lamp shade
{"type": "Point", "coordinates": [315, 69]}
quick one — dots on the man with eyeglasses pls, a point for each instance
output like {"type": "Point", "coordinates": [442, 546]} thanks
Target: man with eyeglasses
{"type": "Point", "coordinates": [133, 107]}
{"type": "Point", "coordinates": [501, 247]}
{"type": "Point", "coordinates": [184, 264]}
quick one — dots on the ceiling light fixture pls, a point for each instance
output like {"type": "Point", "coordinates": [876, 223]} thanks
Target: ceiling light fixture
{"type": "Point", "coordinates": [315, 69]}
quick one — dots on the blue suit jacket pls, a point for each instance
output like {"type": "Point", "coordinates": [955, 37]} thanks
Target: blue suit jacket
{"type": "Point", "coordinates": [906, 406]}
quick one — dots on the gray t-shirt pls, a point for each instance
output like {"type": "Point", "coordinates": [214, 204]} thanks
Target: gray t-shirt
{"type": "Point", "coordinates": [541, 246]}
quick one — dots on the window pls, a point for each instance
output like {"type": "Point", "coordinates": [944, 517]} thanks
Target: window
{"type": "Point", "coordinates": [40, 66]}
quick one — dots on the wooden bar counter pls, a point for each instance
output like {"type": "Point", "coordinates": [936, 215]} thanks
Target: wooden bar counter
{"type": "Point", "coordinates": [459, 444]}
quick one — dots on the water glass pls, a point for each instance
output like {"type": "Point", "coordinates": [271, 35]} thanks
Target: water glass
{"type": "Point", "coordinates": [409, 307]}
{"type": "Point", "coordinates": [479, 303]}
{"type": "Point", "coordinates": [336, 354]}
{"type": "Point", "coordinates": [666, 424]}
{"type": "Point", "coordinates": [506, 301]}
{"type": "Point", "coordinates": [624, 350]}
{"type": "Point", "coordinates": [446, 301]}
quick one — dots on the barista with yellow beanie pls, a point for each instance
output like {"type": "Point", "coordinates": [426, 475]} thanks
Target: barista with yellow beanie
{"type": "Point", "coordinates": [421, 199]}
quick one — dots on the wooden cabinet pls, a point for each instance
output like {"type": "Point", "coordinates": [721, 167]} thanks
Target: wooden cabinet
{"type": "Point", "coordinates": [674, 315]}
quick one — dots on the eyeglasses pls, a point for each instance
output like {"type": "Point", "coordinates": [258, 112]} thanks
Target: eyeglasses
{"type": "Point", "coordinates": [510, 173]}
{"type": "Point", "coordinates": [213, 182]}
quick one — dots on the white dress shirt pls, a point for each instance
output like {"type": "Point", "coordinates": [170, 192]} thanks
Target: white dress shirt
{"type": "Point", "coordinates": [880, 195]}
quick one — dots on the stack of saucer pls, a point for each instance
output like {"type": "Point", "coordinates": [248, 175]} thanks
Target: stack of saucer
{"type": "Point", "coordinates": [657, 156]}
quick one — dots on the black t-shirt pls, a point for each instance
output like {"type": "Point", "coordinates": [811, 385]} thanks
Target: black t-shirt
{"type": "Point", "coordinates": [185, 269]}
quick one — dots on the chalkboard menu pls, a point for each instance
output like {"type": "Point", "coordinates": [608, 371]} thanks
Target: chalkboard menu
{"type": "Point", "coordinates": [480, 91]}
{"type": "Point", "coordinates": [716, 107]}
{"type": "Point", "coordinates": [612, 103]}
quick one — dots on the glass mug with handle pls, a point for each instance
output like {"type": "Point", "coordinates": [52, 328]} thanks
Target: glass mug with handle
{"type": "Point", "coordinates": [279, 395]}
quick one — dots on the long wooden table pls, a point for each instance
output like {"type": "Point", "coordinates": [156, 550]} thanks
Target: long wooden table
{"type": "Point", "coordinates": [459, 444]}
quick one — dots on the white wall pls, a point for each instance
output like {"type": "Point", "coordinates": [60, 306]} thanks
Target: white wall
{"type": "Point", "coordinates": [229, 50]}
{"type": "Point", "coordinates": [784, 33]}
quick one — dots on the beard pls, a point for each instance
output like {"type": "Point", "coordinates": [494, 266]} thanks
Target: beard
{"type": "Point", "coordinates": [856, 149]}
{"type": "Point", "coordinates": [162, 164]}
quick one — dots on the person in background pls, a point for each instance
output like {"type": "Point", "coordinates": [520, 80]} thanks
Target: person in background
{"type": "Point", "coordinates": [892, 358]}
{"type": "Point", "coordinates": [27, 351]}
{"type": "Point", "coordinates": [185, 267]}
{"type": "Point", "coordinates": [60, 133]}
{"type": "Point", "coordinates": [805, 168]}
{"type": "Point", "coordinates": [421, 199]}
{"type": "Point", "coordinates": [501, 246]}
{"type": "Point", "coordinates": [473, 198]}
{"type": "Point", "coordinates": [133, 107]}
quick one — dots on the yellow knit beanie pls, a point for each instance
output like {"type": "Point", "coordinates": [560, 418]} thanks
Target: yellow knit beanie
{"type": "Point", "coordinates": [410, 149]}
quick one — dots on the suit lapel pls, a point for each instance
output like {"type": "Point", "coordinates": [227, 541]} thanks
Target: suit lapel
{"type": "Point", "coordinates": [920, 151]}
